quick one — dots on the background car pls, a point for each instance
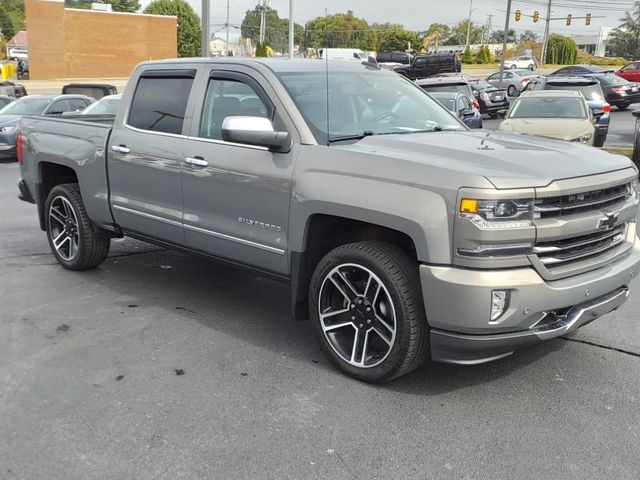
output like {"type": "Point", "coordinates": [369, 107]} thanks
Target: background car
{"type": "Point", "coordinates": [593, 94]}
{"type": "Point", "coordinates": [491, 100]}
{"type": "Point", "coordinates": [93, 90]}
{"type": "Point", "coordinates": [105, 106]}
{"type": "Point", "coordinates": [401, 58]}
{"type": "Point", "coordinates": [513, 81]}
{"type": "Point", "coordinates": [563, 115]}
{"type": "Point", "coordinates": [631, 72]}
{"type": "Point", "coordinates": [5, 100]}
{"type": "Point", "coordinates": [11, 114]}
{"type": "Point", "coordinates": [524, 61]}
{"type": "Point", "coordinates": [619, 92]}
{"type": "Point", "coordinates": [12, 89]}
{"type": "Point", "coordinates": [449, 83]}
{"type": "Point", "coordinates": [424, 66]}
{"type": "Point", "coordinates": [460, 105]}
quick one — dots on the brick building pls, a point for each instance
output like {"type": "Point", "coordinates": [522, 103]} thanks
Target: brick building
{"type": "Point", "coordinates": [72, 43]}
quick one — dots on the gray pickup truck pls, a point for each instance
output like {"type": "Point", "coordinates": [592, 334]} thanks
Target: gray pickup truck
{"type": "Point", "coordinates": [403, 234]}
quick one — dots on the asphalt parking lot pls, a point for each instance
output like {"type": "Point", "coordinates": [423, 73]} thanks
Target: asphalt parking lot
{"type": "Point", "coordinates": [161, 366]}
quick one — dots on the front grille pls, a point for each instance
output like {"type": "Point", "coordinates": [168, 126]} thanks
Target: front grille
{"type": "Point", "coordinates": [582, 202]}
{"type": "Point", "coordinates": [560, 252]}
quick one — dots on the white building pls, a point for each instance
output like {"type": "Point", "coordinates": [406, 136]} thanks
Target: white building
{"type": "Point", "coordinates": [596, 44]}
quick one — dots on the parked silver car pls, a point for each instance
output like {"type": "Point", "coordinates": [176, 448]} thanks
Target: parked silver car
{"type": "Point", "coordinates": [513, 81]}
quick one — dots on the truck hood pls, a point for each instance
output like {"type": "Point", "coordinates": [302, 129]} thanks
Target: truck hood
{"type": "Point", "coordinates": [507, 160]}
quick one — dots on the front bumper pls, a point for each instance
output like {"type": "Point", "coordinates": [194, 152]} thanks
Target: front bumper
{"type": "Point", "coordinates": [457, 304]}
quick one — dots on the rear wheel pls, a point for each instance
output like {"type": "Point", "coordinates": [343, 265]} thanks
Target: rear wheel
{"type": "Point", "coordinates": [75, 241]}
{"type": "Point", "coordinates": [366, 306]}
{"type": "Point", "coordinates": [532, 67]}
{"type": "Point", "coordinates": [511, 90]}
{"type": "Point", "coordinates": [599, 140]}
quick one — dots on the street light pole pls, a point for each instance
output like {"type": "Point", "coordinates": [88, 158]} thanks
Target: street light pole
{"type": "Point", "coordinates": [206, 14]}
{"type": "Point", "coordinates": [504, 41]}
{"type": "Point", "coordinates": [546, 34]}
{"type": "Point", "coordinates": [291, 28]}
{"type": "Point", "coordinates": [469, 24]}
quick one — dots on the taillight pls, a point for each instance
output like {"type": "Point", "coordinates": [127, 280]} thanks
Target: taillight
{"type": "Point", "coordinates": [606, 108]}
{"type": "Point", "coordinates": [19, 147]}
{"type": "Point", "coordinates": [525, 81]}
{"type": "Point", "coordinates": [475, 105]}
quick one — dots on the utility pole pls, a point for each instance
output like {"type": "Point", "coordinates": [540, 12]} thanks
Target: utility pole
{"type": "Point", "coordinates": [545, 41]}
{"type": "Point", "coordinates": [469, 24]}
{"type": "Point", "coordinates": [504, 40]}
{"type": "Point", "coordinates": [263, 21]}
{"type": "Point", "coordinates": [226, 44]}
{"type": "Point", "coordinates": [291, 28]}
{"type": "Point", "coordinates": [206, 28]}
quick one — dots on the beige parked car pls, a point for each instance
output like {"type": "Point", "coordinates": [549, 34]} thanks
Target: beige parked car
{"type": "Point", "coordinates": [559, 114]}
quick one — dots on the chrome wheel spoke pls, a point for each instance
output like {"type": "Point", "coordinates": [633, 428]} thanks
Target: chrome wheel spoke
{"type": "Point", "coordinates": [61, 240]}
{"type": "Point", "coordinates": [359, 351]}
{"type": "Point", "coordinates": [372, 290]}
{"type": "Point", "coordinates": [334, 320]}
{"type": "Point", "coordinates": [345, 287]}
{"type": "Point", "coordinates": [57, 216]}
{"type": "Point", "coordinates": [384, 330]}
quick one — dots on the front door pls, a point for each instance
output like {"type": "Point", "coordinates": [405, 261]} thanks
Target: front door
{"type": "Point", "coordinates": [145, 156]}
{"type": "Point", "coordinates": [236, 197]}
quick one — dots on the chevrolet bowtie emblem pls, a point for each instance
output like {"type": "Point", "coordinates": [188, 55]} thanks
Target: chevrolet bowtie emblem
{"type": "Point", "coordinates": [608, 222]}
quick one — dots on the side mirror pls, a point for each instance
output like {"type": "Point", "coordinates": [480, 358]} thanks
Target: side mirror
{"type": "Point", "coordinates": [256, 131]}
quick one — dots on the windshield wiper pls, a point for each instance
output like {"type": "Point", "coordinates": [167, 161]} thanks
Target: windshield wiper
{"type": "Point", "coordinates": [359, 136]}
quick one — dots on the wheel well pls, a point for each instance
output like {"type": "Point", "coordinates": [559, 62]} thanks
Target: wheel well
{"type": "Point", "coordinates": [326, 232]}
{"type": "Point", "coordinates": [51, 174]}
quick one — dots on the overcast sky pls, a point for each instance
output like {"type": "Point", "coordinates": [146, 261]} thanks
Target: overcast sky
{"type": "Point", "coordinates": [419, 14]}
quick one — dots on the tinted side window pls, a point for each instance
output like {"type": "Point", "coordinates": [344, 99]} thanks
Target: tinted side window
{"type": "Point", "coordinates": [159, 103]}
{"type": "Point", "coordinates": [228, 98]}
{"type": "Point", "coordinates": [420, 62]}
{"type": "Point", "coordinates": [60, 106]}
{"type": "Point", "coordinates": [77, 104]}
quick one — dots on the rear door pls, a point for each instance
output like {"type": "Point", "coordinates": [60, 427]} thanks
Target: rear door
{"type": "Point", "coordinates": [419, 68]}
{"type": "Point", "coordinates": [145, 155]}
{"type": "Point", "coordinates": [236, 197]}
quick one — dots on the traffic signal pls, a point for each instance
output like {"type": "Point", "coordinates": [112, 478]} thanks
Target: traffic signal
{"type": "Point", "coordinates": [568, 19]}
{"type": "Point", "coordinates": [588, 20]}
{"type": "Point", "coordinates": [518, 15]}
{"type": "Point", "coordinates": [536, 16]}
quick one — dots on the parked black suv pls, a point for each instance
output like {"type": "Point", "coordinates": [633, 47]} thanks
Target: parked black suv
{"type": "Point", "coordinates": [394, 57]}
{"type": "Point", "coordinates": [424, 66]}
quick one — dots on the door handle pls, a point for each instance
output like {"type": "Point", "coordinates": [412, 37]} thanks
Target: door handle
{"type": "Point", "coordinates": [120, 149]}
{"type": "Point", "coordinates": [196, 162]}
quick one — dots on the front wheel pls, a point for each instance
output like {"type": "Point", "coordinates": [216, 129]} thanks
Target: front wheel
{"type": "Point", "coordinates": [366, 305]}
{"type": "Point", "coordinates": [511, 91]}
{"type": "Point", "coordinates": [599, 140]}
{"type": "Point", "coordinates": [75, 241]}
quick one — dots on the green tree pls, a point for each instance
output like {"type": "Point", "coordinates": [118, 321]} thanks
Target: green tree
{"type": "Point", "coordinates": [561, 50]}
{"type": "Point", "coordinates": [11, 17]}
{"type": "Point", "coordinates": [189, 31]}
{"type": "Point", "coordinates": [393, 38]}
{"type": "Point", "coordinates": [342, 30]}
{"type": "Point", "coordinates": [443, 29]}
{"type": "Point", "coordinates": [624, 41]}
{"type": "Point", "coordinates": [129, 6]}
{"type": "Point", "coordinates": [528, 36]}
{"type": "Point", "coordinates": [81, 4]}
{"type": "Point", "coordinates": [276, 28]}
{"type": "Point", "coordinates": [458, 34]}
{"type": "Point", "coordinates": [498, 36]}
{"type": "Point", "coordinates": [467, 57]}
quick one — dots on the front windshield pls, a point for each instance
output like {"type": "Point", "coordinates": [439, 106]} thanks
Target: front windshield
{"type": "Point", "coordinates": [105, 106]}
{"type": "Point", "coordinates": [367, 102]}
{"type": "Point", "coordinates": [26, 106]}
{"type": "Point", "coordinates": [549, 107]}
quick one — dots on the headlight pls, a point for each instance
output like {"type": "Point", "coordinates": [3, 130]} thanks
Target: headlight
{"type": "Point", "coordinates": [496, 214]}
{"type": "Point", "coordinates": [583, 138]}
{"type": "Point", "coordinates": [7, 129]}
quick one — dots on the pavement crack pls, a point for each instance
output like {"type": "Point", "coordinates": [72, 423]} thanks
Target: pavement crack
{"type": "Point", "coordinates": [606, 347]}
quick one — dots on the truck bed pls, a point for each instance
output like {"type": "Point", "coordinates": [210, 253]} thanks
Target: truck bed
{"type": "Point", "coordinates": [78, 142]}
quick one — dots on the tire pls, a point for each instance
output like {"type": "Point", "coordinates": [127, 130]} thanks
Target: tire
{"type": "Point", "coordinates": [394, 300]}
{"type": "Point", "coordinates": [75, 241]}
{"type": "Point", "coordinates": [513, 67]}
{"type": "Point", "coordinates": [532, 67]}
{"type": "Point", "coordinates": [511, 91]}
{"type": "Point", "coordinates": [493, 115]}
{"type": "Point", "coordinates": [599, 140]}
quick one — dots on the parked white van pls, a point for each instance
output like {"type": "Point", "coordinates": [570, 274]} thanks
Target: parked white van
{"type": "Point", "coordinates": [349, 54]}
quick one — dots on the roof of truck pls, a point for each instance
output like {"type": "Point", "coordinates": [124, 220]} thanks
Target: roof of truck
{"type": "Point", "coordinates": [278, 65]}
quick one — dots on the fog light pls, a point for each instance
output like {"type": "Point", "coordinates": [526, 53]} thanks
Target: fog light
{"type": "Point", "coordinates": [499, 303]}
